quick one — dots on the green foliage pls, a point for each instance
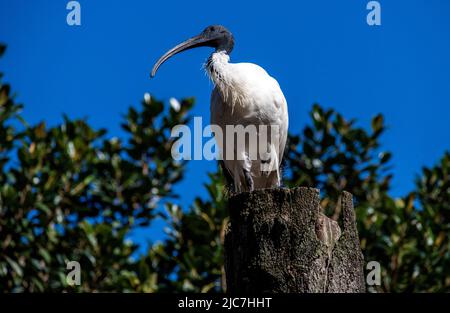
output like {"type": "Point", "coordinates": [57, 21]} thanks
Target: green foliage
{"type": "Point", "coordinates": [409, 236]}
{"type": "Point", "coordinates": [70, 193]}
{"type": "Point", "coordinates": [432, 227]}
{"type": "Point", "coordinates": [334, 155]}
{"type": "Point", "coordinates": [193, 253]}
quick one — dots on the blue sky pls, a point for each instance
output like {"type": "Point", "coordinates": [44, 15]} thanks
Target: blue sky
{"type": "Point", "coordinates": [319, 51]}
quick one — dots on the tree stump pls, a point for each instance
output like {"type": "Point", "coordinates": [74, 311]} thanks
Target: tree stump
{"type": "Point", "coordinates": [278, 241]}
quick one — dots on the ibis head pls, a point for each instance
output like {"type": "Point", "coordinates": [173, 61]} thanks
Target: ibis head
{"type": "Point", "coordinates": [214, 36]}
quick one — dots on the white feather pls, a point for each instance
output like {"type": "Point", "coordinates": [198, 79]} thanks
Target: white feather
{"type": "Point", "coordinates": [245, 94]}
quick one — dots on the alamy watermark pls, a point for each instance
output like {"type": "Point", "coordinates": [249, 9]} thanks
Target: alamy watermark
{"type": "Point", "coordinates": [73, 278]}
{"type": "Point", "coordinates": [230, 142]}
{"type": "Point", "coordinates": [374, 15]}
{"type": "Point", "coordinates": [373, 277]}
{"type": "Point", "coordinates": [74, 16]}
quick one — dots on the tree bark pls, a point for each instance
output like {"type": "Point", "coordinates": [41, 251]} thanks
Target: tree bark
{"type": "Point", "coordinates": [279, 241]}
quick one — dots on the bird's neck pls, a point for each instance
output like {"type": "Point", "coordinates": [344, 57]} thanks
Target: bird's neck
{"type": "Point", "coordinates": [217, 68]}
{"type": "Point", "coordinates": [220, 72]}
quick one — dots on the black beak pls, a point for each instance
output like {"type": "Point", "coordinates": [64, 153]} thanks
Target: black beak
{"type": "Point", "coordinates": [197, 41]}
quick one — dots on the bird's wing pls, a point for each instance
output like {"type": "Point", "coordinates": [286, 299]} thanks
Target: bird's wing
{"type": "Point", "coordinates": [260, 102]}
{"type": "Point", "coordinates": [282, 109]}
{"type": "Point", "coordinates": [217, 113]}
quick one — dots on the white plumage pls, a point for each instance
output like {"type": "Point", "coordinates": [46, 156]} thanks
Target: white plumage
{"type": "Point", "coordinates": [244, 94]}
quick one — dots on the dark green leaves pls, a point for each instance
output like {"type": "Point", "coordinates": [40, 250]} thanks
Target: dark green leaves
{"type": "Point", "coordinates": [2, 49]}
{"type": "Point", "coordinates": [70, 193]}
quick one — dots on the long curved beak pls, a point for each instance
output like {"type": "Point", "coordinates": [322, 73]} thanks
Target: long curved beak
{"type": "Point", "coordinates": [193, 42]}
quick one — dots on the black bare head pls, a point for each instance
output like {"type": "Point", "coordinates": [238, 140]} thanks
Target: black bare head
{"type": "Point", "coordinates": [221, 38]}
{"type": "Point", "coordinates": [214, 36]}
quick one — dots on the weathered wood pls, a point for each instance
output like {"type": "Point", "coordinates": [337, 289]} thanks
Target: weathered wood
{"type": "Point", "coordinates": [279, 241]}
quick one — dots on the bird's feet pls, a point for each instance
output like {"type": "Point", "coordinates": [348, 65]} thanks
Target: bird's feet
{"type": "Point", "coordinates": [249, 180]}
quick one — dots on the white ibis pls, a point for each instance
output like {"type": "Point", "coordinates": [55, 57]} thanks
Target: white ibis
{"type": "Point", "coordinates": [244, 94]}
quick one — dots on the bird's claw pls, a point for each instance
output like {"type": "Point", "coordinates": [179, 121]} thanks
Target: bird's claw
{"type": "Point", "coordinates": [248, 180]}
